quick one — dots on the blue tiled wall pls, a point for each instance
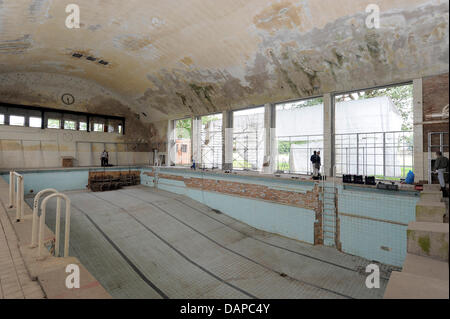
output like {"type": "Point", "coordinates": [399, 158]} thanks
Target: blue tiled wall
{"type": "Point", "coordinates": [383, 239]}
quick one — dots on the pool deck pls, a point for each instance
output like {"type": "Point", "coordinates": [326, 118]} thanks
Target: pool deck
{"type": "Point", "coordinates": [15, 281]}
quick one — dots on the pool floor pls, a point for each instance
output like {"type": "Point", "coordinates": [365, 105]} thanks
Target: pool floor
{"type": "Point", "coordinates": [140, 242]}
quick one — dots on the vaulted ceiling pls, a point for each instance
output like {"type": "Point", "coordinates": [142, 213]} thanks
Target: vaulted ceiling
{"type": "Point", "coordinates": [173, 58]}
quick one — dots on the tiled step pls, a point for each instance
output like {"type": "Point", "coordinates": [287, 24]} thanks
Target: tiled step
{"type": "Point", "coordinates": [404, 285]}
{"type": "Point", "coordinates": [425, 266]}
{"type": "Point", "coordinates": [430, 211]}
{"type": "Point", "coordinates": [428, 239]}
{"type": "Point", "coordinates": [431, 195]}
{"type": "Point", "coordinates": [431, 187]}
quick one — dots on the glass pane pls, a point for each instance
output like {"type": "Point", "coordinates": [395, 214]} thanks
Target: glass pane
{"type": "Point", "coordinates": [183, 130]}
{"type": "Point", "coordinates": [16, 120]}
{"type": "Point", "coordinates": [35, 122]}
{"type": "Point", "coordinates": [2, 119]}
{"type": "Point", "coordinates": [248, 139]}
{"type": "Point", "coordinates": [53, 123]}
{"type": "Point", "coordinates": [299, 131]}
{"type": "Point", "coordinates": [83, 126]}
{"type": "Point", "coordinates": [211, 141]}
{"type": "Point", "coordinates": [98, 127]}
{"type": "Point", "coordinates": [70, 125]}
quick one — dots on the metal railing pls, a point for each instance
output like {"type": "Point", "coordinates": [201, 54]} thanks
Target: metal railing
{"type": "Point", "coordinates": [58, 224]}
{"type": "Point", "coordinates": [16, 197]}
{"type": "Point", "coordinates": [385, 155]}
{"type": "Point", "coordinates": [34, 226]}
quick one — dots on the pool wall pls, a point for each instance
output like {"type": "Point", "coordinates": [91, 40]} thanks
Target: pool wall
{"type": "Point", "coordinates": [372, 223]}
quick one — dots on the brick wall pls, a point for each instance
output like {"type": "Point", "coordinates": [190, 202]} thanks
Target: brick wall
{"type": "Point", "coordinates": [309, 200]}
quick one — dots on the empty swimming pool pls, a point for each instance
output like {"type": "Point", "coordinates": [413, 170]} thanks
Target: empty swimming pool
{"type": "Point", "coordinates": [141, 242]}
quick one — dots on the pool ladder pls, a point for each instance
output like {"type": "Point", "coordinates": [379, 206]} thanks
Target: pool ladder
{"type": "Point", "coordinates": [329, 214]}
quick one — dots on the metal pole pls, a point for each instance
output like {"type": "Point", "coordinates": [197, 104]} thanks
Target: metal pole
{"type": "Point", "coordinates": [357, 154]}
{"type": "Point", "coordinates": [58, 225]}
{"type": "Point", "coordinates": [12, 188]}
{"type": "Point", "coordinates": [384, 155]}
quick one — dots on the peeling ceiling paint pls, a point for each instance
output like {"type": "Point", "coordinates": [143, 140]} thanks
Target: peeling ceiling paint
{"type": "Point", "coordinates": [176, 58]}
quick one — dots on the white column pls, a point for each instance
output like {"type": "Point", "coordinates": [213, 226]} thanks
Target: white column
{"type": "Point", "coordinates": [197, 140]}
{"type": "Point", "coordinates": [227, 146]}
{"type": "Point", "coordinates": [270, 151]}
{"type": "Point", "coordinates": [170, 143]}
{"type": "Point", "coordinates": [328, 135]}
{"type": "Point", "coordinates": [420, 167]}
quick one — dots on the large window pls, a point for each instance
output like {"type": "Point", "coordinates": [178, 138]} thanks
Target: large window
{"type": "Point", "coordinates": [35, 121]}
{"type": "Point", "coordinates": [183, 133]}
{"type": "Point", "coordinates": [16, 120]}
{"type": "Point", "coordinates": [54, 123]}
{"type": "Point", "coordinates": [98, 127]}
{"type": "Point", "coordinates": [83, 126]}
{"type": "Point", "coordinates": [374, 132]}
{"type": "Point", "coordinates": [211, 141]}
{"type": "Point", "coordinates": [299, 132]}
{"type": "Point", "coordinates": [31, 116]}
{"type": "Point", "coordinates": [248, 139]}
{"type": "Point", "coordinates": [70, 125]}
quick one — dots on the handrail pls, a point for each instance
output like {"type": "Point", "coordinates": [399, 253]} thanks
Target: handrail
{"type": "Point", "coordinates": [34, 226]}
{"type": "Point", "coordinates": [19, 194]}
{"type": "Point", "coordinates": [58, 222]}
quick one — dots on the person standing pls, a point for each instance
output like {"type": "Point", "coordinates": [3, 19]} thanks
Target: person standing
{"type": "Point", "coordinates": [318, 163]}
{"type": "Point", "coordinates": [104, 158]}
{"type": "Point", "coordinates": [313, 162]}
{"type": "Point", "coordinates": [440, 166]}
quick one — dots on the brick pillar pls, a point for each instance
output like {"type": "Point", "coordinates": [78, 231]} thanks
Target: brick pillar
{"type": "Point", "coordinates": [420, 170]}
{"type": "Point", "coordinates": [328, 135]}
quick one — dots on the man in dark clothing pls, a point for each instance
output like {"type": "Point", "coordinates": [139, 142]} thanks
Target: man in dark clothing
{"type": "Point", "coordinates": [441, 166]}
{"type": "Point", "coordinates": [314, 159]}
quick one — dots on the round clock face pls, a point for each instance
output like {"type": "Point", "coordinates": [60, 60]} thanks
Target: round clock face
{"type": "Point", "coordinates": [67, 99]}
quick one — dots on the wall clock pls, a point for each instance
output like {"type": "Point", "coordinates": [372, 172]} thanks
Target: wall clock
{"type": "Point", "coordinates": [67, 99]}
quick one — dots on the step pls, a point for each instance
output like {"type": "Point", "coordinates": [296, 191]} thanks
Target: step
{"type": "Point", "coordinates": [432, 196]}
{"type": "Point", "coordinates": [431, 187]}
{"type": "Point", "coordinates": [404, 285]}
{"type": "Point", "coordinates": [425, 266]}
{"type": "Point", "coordinates": [429, 211]}
{"type": "Point", "coordinates": [428, 239]}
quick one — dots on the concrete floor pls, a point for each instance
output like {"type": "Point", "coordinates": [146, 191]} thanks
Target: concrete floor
{"type": "Point", "coordinates": [139, 242]}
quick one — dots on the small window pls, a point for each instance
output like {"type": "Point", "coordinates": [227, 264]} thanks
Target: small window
{"type": "Point", "coordinates": [2, 119]}
{"type": "Point", "coordinates": [70, 125]}
{"type": "Point", "coordinates": [110, 129]}
{"type": "Point", "coordinates": [53, 123]}
{"type": "Point", "coordinates": [83, 126]}
{"type": "Point", "coordinates": [183, 148]}
{"type": "Point", "coordinates": [98, 127]}
{"type": "Point", "coordinates": [119, 128]}
{"type": "Point", "coordinates": [17, 120]}
{"type": "Point", "coordinates": [35, 122]}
